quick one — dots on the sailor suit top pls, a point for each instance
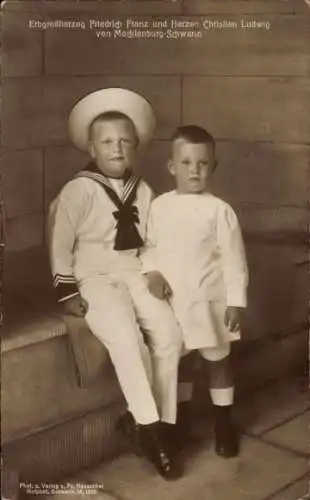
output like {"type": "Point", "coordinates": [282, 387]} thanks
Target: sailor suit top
{"type": "Point", "coordinates": [82, 227]}
{"type": "Point", "coordinates": [195, 241]}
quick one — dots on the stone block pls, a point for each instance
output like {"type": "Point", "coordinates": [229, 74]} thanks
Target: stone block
{"type": "Point", "coordinates": [65, 449]}
{"type": "Point", "coordinates": [267, 174]}
{"type": "Point", "coordinates": [44, 373]}
{"type": "Point", "coordinates": [23, 113]}
{"type": "Point", "coordinates": [60, 166]}
{"type": "Point", "coordinates": [102, 7]}
{"type": "Point", "coordinates": [229, 48]}
{"type": "Point", "coordinates": [301, 7]}
{"type": "Point", "coordinates": [273, 404]}
{"type": "Point", "coordinates": [22, 47]}
{"type": "Point", "coordinates": [270, 360]}
{"type": "Point", "coordinates": [277, 294]}
{"type": "Point", "coordinates": [243, 6]}
{"type": "Point", "coordinates": [29, 267]}
{"type": "Point", "coordinates": [260, 471]}
{"type": "Point", "coordinates": [278, 47]}
{"type": "Point", "coordinates": [22, 180]}
{"type": "Point", "coordinates": [22, 233]}
{"type": "Point", "coordinates": [274, 222]}
{"type": "Point", "coordinates": [292, 435]}
{"type": "Point", "coordinates": [252, 109]}
{"type": "Point", "coordinates": [296, 490]}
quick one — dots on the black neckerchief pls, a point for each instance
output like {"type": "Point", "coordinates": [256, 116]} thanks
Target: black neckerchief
{"type": "Point", "coordinates": [127, 215]}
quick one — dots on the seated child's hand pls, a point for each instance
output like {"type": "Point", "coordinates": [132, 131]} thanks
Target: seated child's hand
{"type": "Point", "coordinates": [158, 286]}
{"type": "Point", "coordinates": [75, 306]}
{"type": "Point", "coordinates": [233, 318]}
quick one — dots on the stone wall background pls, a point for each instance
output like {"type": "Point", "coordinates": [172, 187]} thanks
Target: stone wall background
{"type": "Point", "coordinates": [249, 87]}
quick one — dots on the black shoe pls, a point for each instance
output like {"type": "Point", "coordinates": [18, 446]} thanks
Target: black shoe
{"type": "Point", "coordinates": [177, 436]}
{"type": "Point", "coordinates": [184, 422]}
{"type": "Point", "coordinates": [226, 435]}
{"type": "Point", "coordinates": [129, 429]}
{"type": "Point", "coordinates": [171, 438]}
{"type": "Point", "coordinates": [157, 451]}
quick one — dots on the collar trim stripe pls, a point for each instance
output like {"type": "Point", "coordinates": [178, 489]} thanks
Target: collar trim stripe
{"type": "Point", "coordinates": [128, 188]}
{"type": "Point", "coordinates": [130, 185]}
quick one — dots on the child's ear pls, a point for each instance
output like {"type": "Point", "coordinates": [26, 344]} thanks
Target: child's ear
{"type": "Point", "coordinates": [170, 167]}
{"type": "Point", "coordinates": [215, 165]}
{"type": "Point", "coordinates": [91, 150]}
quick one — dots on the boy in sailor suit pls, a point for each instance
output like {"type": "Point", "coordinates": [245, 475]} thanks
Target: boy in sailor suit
{"type": "Point", "coordinates": [97, 225]}
{"type": "Point", "coordinates": [195, 256]}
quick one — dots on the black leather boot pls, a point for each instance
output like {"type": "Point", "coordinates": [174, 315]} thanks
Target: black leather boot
{"type": "Point", "coordinates": [226, 435]}
{"type": "Point", "coordinates": [177, 436]}
{"type": "Point", "coordinates": [129, 429]}
{"type": "Point", "coordinates": [170, 436]}
{"type": "Point", "coordinates": [157, 451]}
{"type": "Point", "coordinates": [184, 421]}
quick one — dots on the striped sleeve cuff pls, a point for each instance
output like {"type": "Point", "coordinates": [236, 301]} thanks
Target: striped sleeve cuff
{"type": "Point", "coordinates": [65, 287]}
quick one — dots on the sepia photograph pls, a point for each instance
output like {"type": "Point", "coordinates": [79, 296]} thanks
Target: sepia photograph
{"type": "Point", "coordinates": [154, 249]}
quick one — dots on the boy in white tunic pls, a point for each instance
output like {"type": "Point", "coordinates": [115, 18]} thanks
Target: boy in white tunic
{"type": "Point", "coordinates": [196, 257]}
{"type": "Point", "coordinates": [97, 225]}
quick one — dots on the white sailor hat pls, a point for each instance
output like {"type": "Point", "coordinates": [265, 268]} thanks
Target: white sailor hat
{"type": "Point", "coordinates": [131, 104]}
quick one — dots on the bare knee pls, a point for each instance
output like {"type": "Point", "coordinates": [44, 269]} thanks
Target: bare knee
{"type": "Point", "coordinates": [220, 373]}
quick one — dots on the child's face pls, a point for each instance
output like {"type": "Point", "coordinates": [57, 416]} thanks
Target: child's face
{"type": "Point", "coordinates": [113, 144]}
{"type": "Point", "coordinates": [191, 165]}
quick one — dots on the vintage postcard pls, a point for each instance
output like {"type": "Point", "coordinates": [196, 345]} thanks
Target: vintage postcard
{"type": "Point", "coordinates": [154, 240]}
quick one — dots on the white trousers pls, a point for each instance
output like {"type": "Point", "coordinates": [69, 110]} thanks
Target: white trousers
{"type": "Point", "coordinates": [119, 305]}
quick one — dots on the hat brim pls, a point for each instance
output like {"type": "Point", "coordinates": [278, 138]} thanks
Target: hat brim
{"type": "Point", "coordinates": [131, 104]}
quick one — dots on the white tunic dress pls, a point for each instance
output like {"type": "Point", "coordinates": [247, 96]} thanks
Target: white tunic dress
{"type": "Point", "coordinates": [195, 241]}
